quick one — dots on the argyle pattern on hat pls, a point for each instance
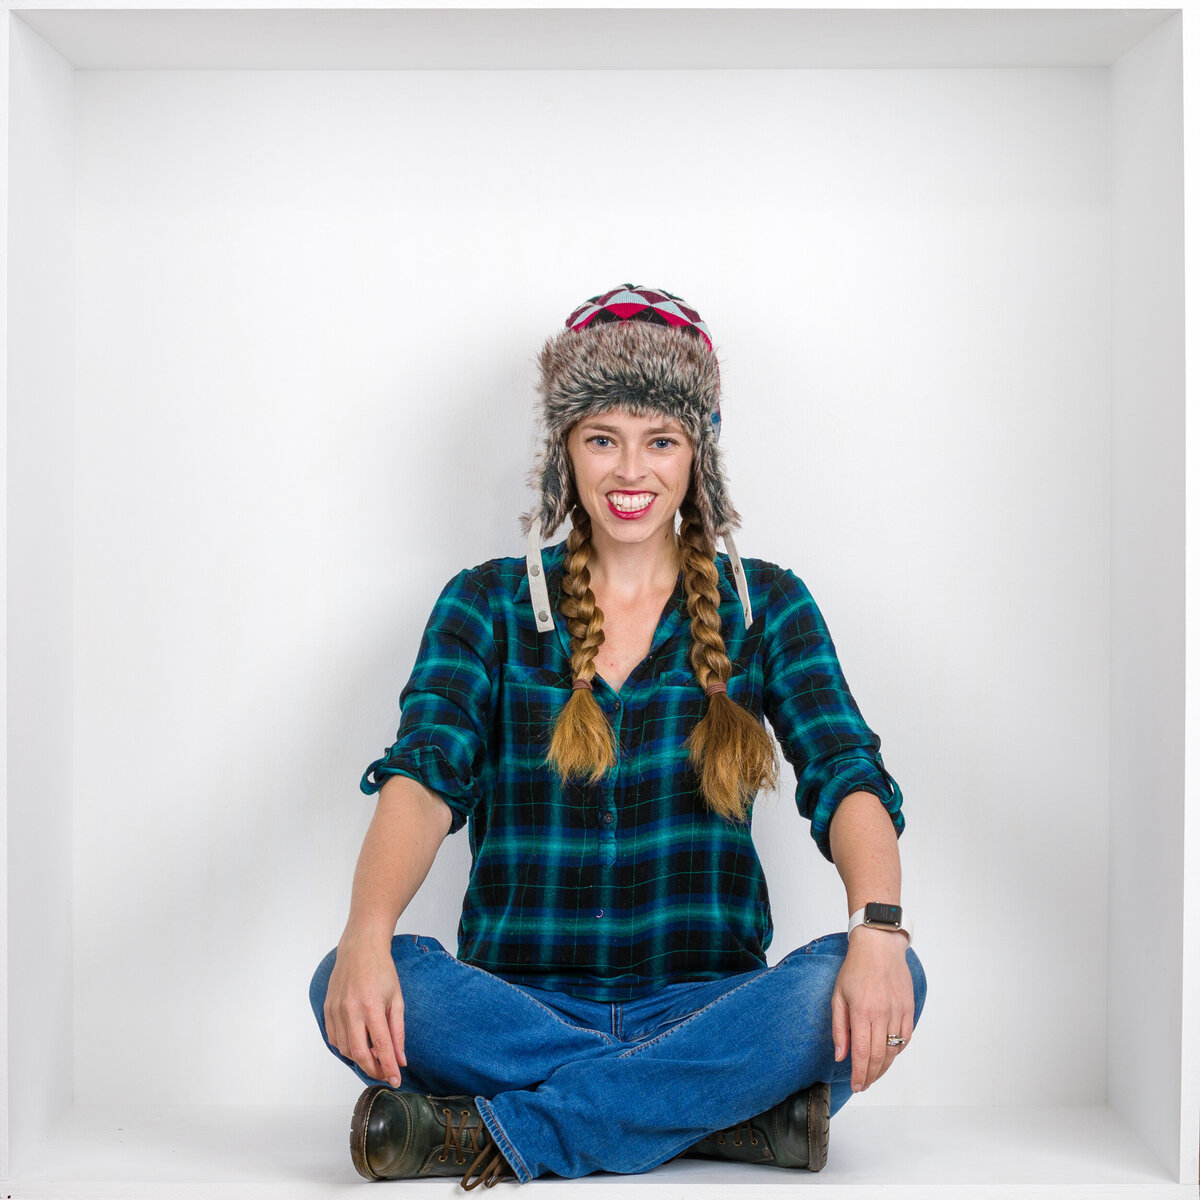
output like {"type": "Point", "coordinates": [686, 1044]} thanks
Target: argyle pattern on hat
{"type": "Point", "coordinates": [634, 302]}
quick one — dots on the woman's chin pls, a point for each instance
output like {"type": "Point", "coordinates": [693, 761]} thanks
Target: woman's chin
{"type": "Point", "coordinates": [633, 533]}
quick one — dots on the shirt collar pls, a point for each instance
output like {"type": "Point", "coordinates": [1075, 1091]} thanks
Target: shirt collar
{"type": "Point", "coordinates": [674, 612]}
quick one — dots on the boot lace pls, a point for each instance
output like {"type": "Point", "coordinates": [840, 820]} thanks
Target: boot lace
{"type": "Point", "coordinates": [488, 1167]}
{"type": "Point", "coordinates": [737, 1131]}
{"type": "Point", "coordinates": [461, 1138]}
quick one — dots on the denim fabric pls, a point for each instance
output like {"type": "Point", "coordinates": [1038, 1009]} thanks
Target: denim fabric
{"type": "Point", "coordinates": [568, 1086]}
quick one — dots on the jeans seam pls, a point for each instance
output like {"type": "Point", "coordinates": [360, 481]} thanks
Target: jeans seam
{"type": "Point", "coordinates": [501, 1139]}
{"type": "Point", "coordinates": [521, 992]}
{"type": "Point", "coordinates": [692, 1016]}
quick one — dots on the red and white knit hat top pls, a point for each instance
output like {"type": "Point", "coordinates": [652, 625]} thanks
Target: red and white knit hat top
{"type": "Point", "coordinates": [638, 303]}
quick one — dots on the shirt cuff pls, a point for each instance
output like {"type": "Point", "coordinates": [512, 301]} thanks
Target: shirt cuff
{"type": "Point", "coordinates": [429, 767]}
{"type": "Point", "coordinates": [855, 773]}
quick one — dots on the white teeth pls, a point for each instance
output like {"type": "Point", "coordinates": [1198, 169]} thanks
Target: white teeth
{"type": "Point", "coordinates": [630, 504]}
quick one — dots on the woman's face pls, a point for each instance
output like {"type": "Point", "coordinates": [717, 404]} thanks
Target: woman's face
{"type": "Point", "coordinates": [631, 473]}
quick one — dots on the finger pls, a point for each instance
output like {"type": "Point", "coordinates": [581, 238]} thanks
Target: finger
{"type": "Point", "coordinates": [336, 1034]}
{"type": "Point", "coordinates": [396, 1028]}
{"type": "Point", "coordinates": [860, 1051]}
{"type": "Point", "coordinates": [841, 1027]}
{"type": "Point", "coordinates": [906, 1030]}
{"type": "Point", "coordinates": [898, 1027]}
{"type": "Point", "coordinates": [903, 1023]}
{"type": "Point", "coordinates": [360, 1051]}
{"type": "Point", "coordinates": [878, 1060]}
{"type": "Point", "coordinates": [381, 1047]}
{"type": "Point", "coordinates": [337, 1042]}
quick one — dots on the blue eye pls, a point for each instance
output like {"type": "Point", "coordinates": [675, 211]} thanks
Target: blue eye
{"type": "Point", "coordinates": [598, 438]}
{"type": "Point", "coordinates": [665, 443]}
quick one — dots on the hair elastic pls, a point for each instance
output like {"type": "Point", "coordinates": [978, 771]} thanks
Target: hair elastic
{"type": "Point", "coordinates": [716, 687]}
{"type": "Point", "coordinates": [581, 683]}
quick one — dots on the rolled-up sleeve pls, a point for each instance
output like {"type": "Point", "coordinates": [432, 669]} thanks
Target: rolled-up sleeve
{"type": "Point", "coordinates": [808, 702]}
{"type": "Point", "coordinates": [445, 708]}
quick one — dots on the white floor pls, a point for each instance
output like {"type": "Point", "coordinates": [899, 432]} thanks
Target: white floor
{"type": "Point", "coordinates": [301, 1153]}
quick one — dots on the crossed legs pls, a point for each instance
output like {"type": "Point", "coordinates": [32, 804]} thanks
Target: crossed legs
{"type": "Point", "coordinates": [570, 1086]}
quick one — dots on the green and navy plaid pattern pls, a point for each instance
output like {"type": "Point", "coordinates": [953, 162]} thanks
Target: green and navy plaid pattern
{"type": "Point", "coordinates": [611, 891]}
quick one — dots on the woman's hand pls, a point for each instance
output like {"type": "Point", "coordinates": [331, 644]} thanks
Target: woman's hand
{"type": "Point", "coordinates": [364, 1010]}
{"type": "Point", "coordinates": [873, 997]}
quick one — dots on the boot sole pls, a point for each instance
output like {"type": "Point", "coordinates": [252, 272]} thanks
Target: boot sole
{"type": "Point", "coordinates": [358, 1132]}
{"type": "Point", "coordinates": [818, 1126]}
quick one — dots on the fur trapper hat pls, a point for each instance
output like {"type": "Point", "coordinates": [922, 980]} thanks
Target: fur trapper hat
{"type": "Point", "coordinates": [643, 350]}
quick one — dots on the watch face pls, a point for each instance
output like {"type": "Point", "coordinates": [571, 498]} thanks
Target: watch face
{"type": "Point", "coordinates": [883, 914]}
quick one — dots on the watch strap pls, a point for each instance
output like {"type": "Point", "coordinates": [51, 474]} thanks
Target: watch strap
{"type": "Point", "coordinates": [903, 924]}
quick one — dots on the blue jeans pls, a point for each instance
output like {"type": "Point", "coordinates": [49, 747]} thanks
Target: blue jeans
{"type": "Point", "coordinates": [569, 1086]}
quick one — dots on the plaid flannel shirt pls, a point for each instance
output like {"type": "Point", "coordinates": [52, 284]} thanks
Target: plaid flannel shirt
{"type": "Point", "coordinates": [611, 891]}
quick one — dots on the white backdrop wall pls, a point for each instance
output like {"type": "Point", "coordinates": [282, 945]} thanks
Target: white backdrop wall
{"type": "Point", "coordinates": [39, 585]}
{"type": "Point", "coordinates": [1146, 934]}
{"type": "Point", "coordinates": [308, 306]}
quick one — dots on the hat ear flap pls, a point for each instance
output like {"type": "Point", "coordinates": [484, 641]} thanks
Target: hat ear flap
{"type": "Point", "coordinates": [721, 512]}
{"type": "Point", "coordinates": [551, 479]}
{"type": "Point", "coordinates": [558, 485]}
{"type": "Point", "coordinates": [708, 489]}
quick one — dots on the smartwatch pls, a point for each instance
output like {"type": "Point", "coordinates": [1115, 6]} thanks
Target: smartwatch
{"type": "Point", "coordinates": [881, 916]}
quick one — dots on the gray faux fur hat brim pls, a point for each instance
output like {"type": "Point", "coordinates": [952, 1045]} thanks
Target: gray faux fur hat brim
{"type": "Point", "coordinates": [643, 368]}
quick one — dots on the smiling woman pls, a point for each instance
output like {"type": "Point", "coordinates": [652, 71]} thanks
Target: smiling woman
{"type": "Point", "coordinates": [634, 469]}
{"type": "Point", "coordinates": [631, 475]}
{"type": "Point", "coordinates": [607, 763]}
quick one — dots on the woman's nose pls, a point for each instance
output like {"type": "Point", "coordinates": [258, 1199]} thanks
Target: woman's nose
{"type": "Point", "coordinates": [630, 464]}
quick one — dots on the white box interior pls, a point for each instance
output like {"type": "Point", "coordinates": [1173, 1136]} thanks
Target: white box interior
{"type": "Point", "coordinates": [270, 359]}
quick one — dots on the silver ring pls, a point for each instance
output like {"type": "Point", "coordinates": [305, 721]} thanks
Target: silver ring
{"type": "Point", "coordinates": [894, 1039]}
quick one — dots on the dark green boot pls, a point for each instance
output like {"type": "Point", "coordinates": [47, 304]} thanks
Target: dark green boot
{"type": "Point", "coordinates": [404, 1135]}
{"type": "Point", "coordinates": [795, 1133]}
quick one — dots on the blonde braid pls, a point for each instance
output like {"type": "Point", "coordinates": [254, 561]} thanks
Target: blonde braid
{"type": "Point", "coordinates": [730, 750]}
{"type": "Point", "coordinates": [583, 741]}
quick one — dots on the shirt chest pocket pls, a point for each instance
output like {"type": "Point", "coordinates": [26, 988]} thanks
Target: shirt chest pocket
{"type": "Point", "coordinates": [677, 704]}
{"type": "Point", "coordinates": [675, 677]}
{"type": "Point", "coordinates": [681, 691]}
{"type": "Point", "coordinates": [530, 700]}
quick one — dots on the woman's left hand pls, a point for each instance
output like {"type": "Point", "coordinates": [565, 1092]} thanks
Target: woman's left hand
{"type": "Point", "coordinates": [873, 997]}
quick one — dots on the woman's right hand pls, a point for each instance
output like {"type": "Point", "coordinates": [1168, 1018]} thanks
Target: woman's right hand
{"type": "Point", "coordinates": [364, 1010]}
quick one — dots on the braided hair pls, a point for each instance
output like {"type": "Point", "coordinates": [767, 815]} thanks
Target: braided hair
{"type": "Point", "coordinates": [730, 750]}
{"type": "Point", "coordinates": [583, 742]}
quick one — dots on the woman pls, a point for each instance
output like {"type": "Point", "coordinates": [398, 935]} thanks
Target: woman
{"type": "Point", "coordinates": [595, 713]}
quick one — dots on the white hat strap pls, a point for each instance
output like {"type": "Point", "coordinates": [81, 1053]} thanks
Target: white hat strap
{"type": "Point", "coordinates": [539, 594]}
{"type": "Point", "coordinates": [739, 579]}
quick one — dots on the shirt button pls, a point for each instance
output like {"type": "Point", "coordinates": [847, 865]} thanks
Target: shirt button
{"type": "Point", "coordinates": [599, 912]}
{"type": "Point", "coordinates": [616, 704]}
{"type": "Point", "coordinates": [608, 818]}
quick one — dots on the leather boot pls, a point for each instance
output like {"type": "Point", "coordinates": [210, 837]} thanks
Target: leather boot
{"type": "Point", "coordinates": [794, 1133]}
{"type": "Point", "coordinates": [404, 1135]}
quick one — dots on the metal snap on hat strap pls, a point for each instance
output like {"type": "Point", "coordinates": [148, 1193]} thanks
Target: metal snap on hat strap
{"type": "Point", "coordinates": [739, 579]}
{"type": "Point", "coordinates": [539, 594]}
